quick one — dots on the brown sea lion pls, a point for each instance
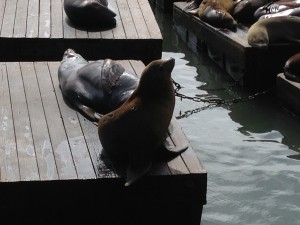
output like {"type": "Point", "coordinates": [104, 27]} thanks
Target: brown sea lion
{"type": "Point", "coordinates": [135, 131]}
{"type": "Point", "coordinates": [215, 12]}
{"type": "Point", "coordinates": [291, 68]}
{"type": "Point", "coordinates": [274, 30]}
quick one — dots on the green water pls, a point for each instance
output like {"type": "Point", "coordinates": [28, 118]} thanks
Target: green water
{"type": "Point", "coordinates": [251, 149]}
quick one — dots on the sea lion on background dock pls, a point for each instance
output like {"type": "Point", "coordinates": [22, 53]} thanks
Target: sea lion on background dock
{"type": "Point", "coordinates": [135, 131]}
{"type": "Point", "coordinates": [291, 68]}
{"type": "Point", "coordinates": [215, 12]}
{"type": "Point", "coordinates": [274, 30]}
{"type": "Point", "coordinates": [90, 14]}
{"type": "Point", "coordinates": [244, 10]}
{"type": "Point", "coordinates": [97, 87]}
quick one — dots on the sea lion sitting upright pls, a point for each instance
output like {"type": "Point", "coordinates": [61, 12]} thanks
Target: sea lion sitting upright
{"type": "Point", "coordinates": [274, 30]}
{"type": "Point", "coordinates": [97, 87]}
{"type": "Point", "coordinates": [136, 130]}
{"type": "Point", "coordinates": [291, 68]}
{"type": "Point", "coordinates": [90, 14]}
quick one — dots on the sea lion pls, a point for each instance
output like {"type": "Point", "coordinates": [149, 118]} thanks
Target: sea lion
{"type": "Point", "coordinates": [291, 68]}
{"type": "Point", "coordinates": [135, 131]}
{"type": "Point", "coordinates": [244, 10]}
{"type": "Point", "coordinates": [215, 12]}
{"type": "Point", "coordinates": [274, 30]}
{"type": "Point", "coordinates": [97, 87]}
{"type": "Point", "coordinates": [90, 14]}
{"type": "Point", "coordinates": [278, 8]}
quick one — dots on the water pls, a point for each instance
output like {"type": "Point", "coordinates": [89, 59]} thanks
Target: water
{"type": "Point", "coordinates": [251, 149]}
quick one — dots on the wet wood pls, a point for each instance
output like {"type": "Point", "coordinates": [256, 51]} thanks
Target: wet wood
{"type": "Point", "coordinates": [42, 30]}
{"type": "Point", "coordinates": [49, 151]}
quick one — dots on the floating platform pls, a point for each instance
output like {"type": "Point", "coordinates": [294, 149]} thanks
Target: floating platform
{"type": "Point", "coordinates": [166, 5]}
{"type": "Point", "coordinates": [288, 94]}
{"type": "Point", "coordinates": [38, 30]}
{"type": "Point", "coordinates": [253, 68]}
{"type": "Point", "coordinates": [51, 169]}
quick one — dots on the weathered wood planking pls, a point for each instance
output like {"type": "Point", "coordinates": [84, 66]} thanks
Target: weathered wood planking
{"type": "Point", "coordinates": [253, 68]}
{"type": "Point", "coordinates": [52, 140]}
{"type": "Point", "coordinates": [42, 30]}
{"type": "Point", "coordinates": [50, 160]}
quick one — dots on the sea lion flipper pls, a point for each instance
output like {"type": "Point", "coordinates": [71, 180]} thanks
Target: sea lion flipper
{"type": "Point", "coordinates": [134, 172]}
{"type": "Point", "coordinates": [190, 7]}
{"type": "Point", "coordinates": [175, 150]}
{"type": "Point", "coordinates": [111, 72]}
{"type": "Point", "coordinates": [87, 112]}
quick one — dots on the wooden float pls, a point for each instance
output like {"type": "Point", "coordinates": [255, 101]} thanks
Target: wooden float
{"type": "Point", "coordinates": [253, 68]}
{"type": "Point", "coordinates": [288, 94]}
{"type": "Point", "coordinates": [37, 30]}
{"type": "Point", "coordinates": [166, 5]}
{"type": "Point", "coordinates": [51, 170]}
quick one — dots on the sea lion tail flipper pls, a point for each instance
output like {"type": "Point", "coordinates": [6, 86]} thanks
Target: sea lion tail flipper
{"type": "Point", "coordinates": [192, 6]}
{"type": "Point", "coordinates": [134, 172]}
{"type": "Point", "coordinates": [175, 149]}
{"type": "Point", "coordinates": [88, 113]}
{"type": "Point", "coordinates": [111, 72]}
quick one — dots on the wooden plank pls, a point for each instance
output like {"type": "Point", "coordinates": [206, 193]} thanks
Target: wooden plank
{"type": "Point", "coordinates": [138, 19]}
{"type": "Point", "coordinates": [93, 142]}
{"type": "Point", "coordinates": [42, 142]}
{"type": "Point", "coordinates": [62, 152]}
{"type": "Point", "coordinates": [138, 67]}
{"type": "Point", "coordinates": [9, 18]}
{"type": "Point", "coordinates": [24, 140]}
{"type": "Point", "coordinates": [118, 31]}
{"type": "Point", "coordinates": [189, 156]}
{"type": "Point", "coordinates": [81, 34]}
{"type": "Point", "coordinates": [9, 165]}
{"type": "Point", "coordinates": [2, 7]}
{"type": "Point", "coordinates": [69, 32]}
{"type": "Point", "coordinates": [127, 20]}
{"type": "Point", "coordinates": [21, 18]}
{"type": "Point", "coordinates": [56, 19]}
{"type": "Point", "coordinates": [80, 153]}
{"type": "Point", "coordinates": [33, 19]}
{"type": "Point", "coordinates": [150, 19]}
{"type": "Point", "coordinates": [45, 20]}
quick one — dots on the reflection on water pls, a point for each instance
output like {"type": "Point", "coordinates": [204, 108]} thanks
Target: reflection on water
{"type": "Point", "coordinates": [250, 149]}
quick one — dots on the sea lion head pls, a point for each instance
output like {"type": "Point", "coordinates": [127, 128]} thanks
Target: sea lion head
{"type": "Point", "coordinates": [156, 77]}
{"type": "Point", "coordinates": [292, 68]}
{"type": "Point", "coordinates": [70, 61]}
{"type": "Point", "coordinates": [258, 36]}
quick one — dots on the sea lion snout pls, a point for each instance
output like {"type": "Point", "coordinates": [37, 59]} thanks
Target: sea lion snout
{"type": "Point", "coordinates": [168, 65]}
{"type": "Point", "coordinates": [69, 53]}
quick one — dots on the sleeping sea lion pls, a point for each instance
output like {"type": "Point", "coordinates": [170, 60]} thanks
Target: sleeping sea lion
{"type": "Point", "coordinates": [291, 68]}
{"type": "Point", "coordinates": [274, 30]}
{"type": "Point", "coordinates": [97, 87]}
{"type": "Point", "coordinates": [215, 12]}
{"type": "Point", "coordinates": [90, 14]}
{"type": "Point", "coordinates": [244, 10]}
{"type": "Point", "coordinates": [135, 131]}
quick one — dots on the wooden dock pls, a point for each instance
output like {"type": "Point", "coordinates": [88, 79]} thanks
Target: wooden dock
{"type": "Point", "coordinates": [166, 5]}
{"type": "Point", "coordinates": [51, 169]}
{"type": "Point", "coordinates": [251, 67]}
{"type": "Point", "coordinates": [288, 94]}
{"type": "Point", "coordinates": [37, 30]}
